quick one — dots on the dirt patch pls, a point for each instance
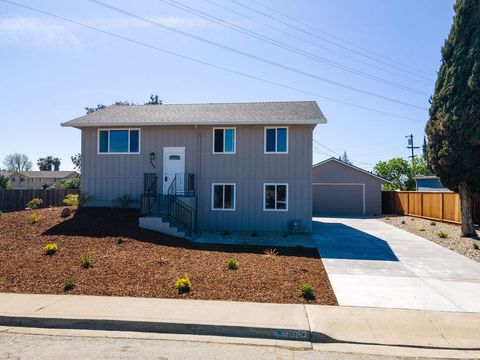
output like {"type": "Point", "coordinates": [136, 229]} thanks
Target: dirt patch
{"type": "Point", "coordinates": [430, 230]}
{"type": "Point", "coordinates": [147, 263]}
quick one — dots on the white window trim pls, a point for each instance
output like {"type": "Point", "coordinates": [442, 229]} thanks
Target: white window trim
{"type": "Point", "coordinates": [264, 192]}
{"type": "Point", "coordinates": [119, 153]}
{"type": "Point", "coordinates": [234, 197]}
{"type": "Point", "coordinates": [276, 139]}
{"type": "Point", "coordinates": [234, 141]}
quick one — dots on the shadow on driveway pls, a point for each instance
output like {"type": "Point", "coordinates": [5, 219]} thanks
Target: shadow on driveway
{"type": "Point", "coordinates": [339, 241]}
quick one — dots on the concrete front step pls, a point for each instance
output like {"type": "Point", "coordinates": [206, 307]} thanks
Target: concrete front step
{"type": "Point", "coordinates": [160, 225]}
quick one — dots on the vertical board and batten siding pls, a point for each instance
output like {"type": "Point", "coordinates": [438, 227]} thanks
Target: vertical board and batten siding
{"type": "Point", "coordinates": [108, 176]}
{"type": "Point", "coordinates": [15, 200]}
{"type": "Point", "coordinates": [336, 172]}
{"type": "Point", "coordinates": [442, 206]}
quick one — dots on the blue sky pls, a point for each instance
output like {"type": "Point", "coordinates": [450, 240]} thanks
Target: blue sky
{"type": "Point", "coordinates": [50, 69]}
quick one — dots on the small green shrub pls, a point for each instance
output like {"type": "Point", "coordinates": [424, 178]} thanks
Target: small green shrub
{"type": "Point", "coordinates": [307, 291]}
{"type": "Point", "coordinates": [254, 234]}
{"type": "Point", "coordinates": [403, 222]}
{"type": "Point", "coordinates": [87, 260]}
{"type": "Point", "coordinates": [71, 183]}
{"type": "Point", "coordinates": [75, 200]}
{"type": "Point", "coordinates": [34, 203]}
{"type": "Point", "coordinates": [50, 249]}
{"type": "Point", "coordinates": [443, 234]}
{"type": "Point", "coordinates": [120, 240]}
{"type": "Point", "coordinates": [475, 246]}
{"type": "Point", "coordinates": [68, 285]}
{"type": "Point", "coordinates": [387, 218]}
{"type": "Point", "coordinates": [225, 233]}
{"type": "Point", "coordinates": [421, 229]}
{"type": "Point", "coordinates": [232, 264]}
{"type": "Point", "coordinates": [124, 201]}
{"type": "Point", "coordinates": [184, 284]}
{"type": "Point", "coordinates": [433, 223]}
{"type": "Point", "coordinates": [412, 219]}
{"type": "Point", "coordinates": [34, 218]}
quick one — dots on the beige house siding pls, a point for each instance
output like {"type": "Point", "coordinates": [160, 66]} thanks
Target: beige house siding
{"type": "Point", "coordinates": [107, 176]}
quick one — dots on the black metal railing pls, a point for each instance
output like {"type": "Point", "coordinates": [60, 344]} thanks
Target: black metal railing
{"type": "Point", "coordinates": [182, 185]}
{"type": "Point", "coordinates": [150, 184]}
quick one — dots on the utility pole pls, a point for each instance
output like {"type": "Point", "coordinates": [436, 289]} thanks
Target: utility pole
{"type": "Point", "coordinates": [411, 147]}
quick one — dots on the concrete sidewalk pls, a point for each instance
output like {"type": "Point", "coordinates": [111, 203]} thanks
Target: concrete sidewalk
{"type": "Point", "coordinates": [426, 330]}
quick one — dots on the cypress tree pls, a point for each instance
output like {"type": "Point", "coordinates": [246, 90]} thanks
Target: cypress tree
{"type": "Point", "coordinates": [453, 129]}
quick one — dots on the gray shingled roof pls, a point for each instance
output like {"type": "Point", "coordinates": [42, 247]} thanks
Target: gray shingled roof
{"type": "Point", "coordinates": [46, 174]}
{"type": "Point", "coordinates": [288, 112]}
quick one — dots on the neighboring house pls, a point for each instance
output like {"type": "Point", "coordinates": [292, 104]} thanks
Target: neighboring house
{"type": "Point", "coordinates": [5, 173]}
{"type": "Point", "coordinates": [236, 167]}
{"type": "Point", "coordinates": [38, 179]}
{"type": "Point", "coordinates": [340, 188]}
{"type": "Point", "coordinates": [429, 183]}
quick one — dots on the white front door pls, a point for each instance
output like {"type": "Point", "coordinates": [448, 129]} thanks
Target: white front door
{"type": "Point", "coordinates": [173, 163]}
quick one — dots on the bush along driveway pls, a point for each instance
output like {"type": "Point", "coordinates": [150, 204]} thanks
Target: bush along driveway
{"type": "Point", "coordinates": [371, 263]}
{"type": "Point", "coordinates": [103, 252]}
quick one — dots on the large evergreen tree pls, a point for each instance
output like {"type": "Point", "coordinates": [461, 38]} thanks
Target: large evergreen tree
{"type": "Point", "coordinates": [453, 129]}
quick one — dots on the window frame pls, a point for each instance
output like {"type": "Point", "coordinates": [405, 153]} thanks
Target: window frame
{"type": "Point", "coordinates": [234, 197]}
{"type": "Point", "coordinates": [276, 140]}
{"type": "Point", "coordinates": [234, 141]}
{"type": "Point", "coordinates": [264, 199]}
{"type": "Point", "coordinates": [119, 153]}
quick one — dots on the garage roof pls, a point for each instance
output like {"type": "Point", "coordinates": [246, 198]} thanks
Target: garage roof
{"type": "Point", "coordinates": [351, 166]}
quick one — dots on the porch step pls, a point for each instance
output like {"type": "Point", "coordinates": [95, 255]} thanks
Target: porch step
{"type": "Point", "coordinates": [161, 225]}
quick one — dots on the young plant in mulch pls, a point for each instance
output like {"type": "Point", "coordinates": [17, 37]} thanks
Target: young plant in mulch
{"type": "Point", "coordinates": [433, 223]}
{"type": "Point", "coordinates": [403, 222]}
{"type": "Point", "coordinates": [68, 285]}
{"type": "Point", "coordinates": [387, 218]}
{"type": "Point", "coordinates": [475, 246]}
{"type": "Point", "coordinates": [443, 234]}
{"type": "Point", "coordinates": [306, 291]}
{"type": "Point", "coordinates": [183, 285]}
{"type": "Point", "coordinates": [270, 252]}
{"type": "Point", "coordinates": [87, 260]}
{"type": "Point", "coordinates": [232, 264]}
{"type": "Point", "coordinates": [34, 203]}
{"type": "Point", "coordinates": [34, 218]}
{"type": "Point", "coordinates": [120, 240]}
{"type": "Point", "coordinates": [421, 229]}
{"type": "Point", "coordinates": [50, 249]}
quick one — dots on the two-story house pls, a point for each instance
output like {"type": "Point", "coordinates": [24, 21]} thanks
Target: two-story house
{"type": "Point", "coordinates": [233, 166]}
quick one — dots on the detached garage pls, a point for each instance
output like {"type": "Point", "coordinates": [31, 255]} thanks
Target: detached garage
{"type": "Point", "coordinates": [343, 189]}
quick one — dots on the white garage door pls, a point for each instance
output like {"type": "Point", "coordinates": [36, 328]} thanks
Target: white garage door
{"type": "Point", "coordinates": [338, 199]}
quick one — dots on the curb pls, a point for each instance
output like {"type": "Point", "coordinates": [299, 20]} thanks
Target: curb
{"type": "Point", "coordinates": [156, 327]}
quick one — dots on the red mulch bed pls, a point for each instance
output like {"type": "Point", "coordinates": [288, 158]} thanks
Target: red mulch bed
{"type": "Point", "coordinates": [147, 264]}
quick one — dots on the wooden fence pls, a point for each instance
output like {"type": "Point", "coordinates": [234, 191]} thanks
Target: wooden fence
{"type": "Point", "coordinates": [14, 200]}
{"type": "Point", "coordinates": [442, 206]}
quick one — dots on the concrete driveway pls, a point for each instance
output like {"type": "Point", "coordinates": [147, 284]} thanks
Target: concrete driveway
{"type": "Point", "coordinates": [371, 263]}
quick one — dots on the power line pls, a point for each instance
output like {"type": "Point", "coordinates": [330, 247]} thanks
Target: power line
{"type": "Point", "coordinates": [337, 37]}
{"type": "Point", "coordinates": [299, 38]}
{"type": "Point", "coordinates": [252, 56]}
{"type": "Point", "coordinates": [327, 40]}
{"type": "Point", "coordinates": [198, 61]}
{"type": "Point", "coordinates": [287, 47]}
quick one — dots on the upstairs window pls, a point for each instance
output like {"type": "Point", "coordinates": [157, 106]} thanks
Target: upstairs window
{"type": "Point", "coordinates": [122, 141]}
{"type": "Point", "coordinates": [275, 197]}
{"type": "Point", "coordinates": [224, 140]}
{"type": "Point", "coordinates": [223, 196]}
{"type": "Point", "coordinates": [276, 140]}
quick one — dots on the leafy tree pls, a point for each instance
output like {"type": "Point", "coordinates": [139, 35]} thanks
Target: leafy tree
{"type": "Point", "coordinates": [154, 100]}
{"type": "Point", "coordinates": [49, 163]}
{"type": "Point", "coordinates": [90, 110]}
{"type": "Point", "coordinates": [401, 172]}
{"type": "Point", "coordinates": [5, 183]}
{"type": "Point", "coordinates": [17, 162]}
{"type": "Point", "coordinates": [77, 161]}
{"type": "Point", "coordinates": [453, 128]}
